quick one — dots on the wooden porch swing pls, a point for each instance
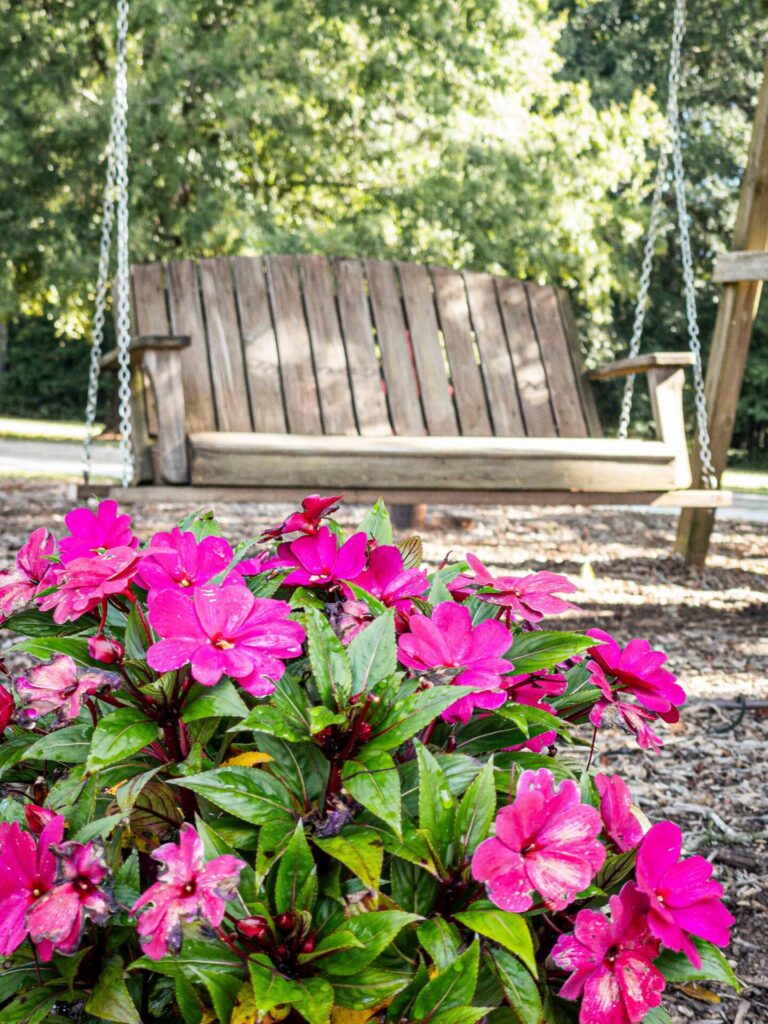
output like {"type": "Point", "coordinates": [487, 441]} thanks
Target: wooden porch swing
{"type": "Point", "coordinates": [271, 377]}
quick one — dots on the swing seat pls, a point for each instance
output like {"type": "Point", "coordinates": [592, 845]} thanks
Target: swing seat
{"type": "Point", "coordinates": [277, 376]}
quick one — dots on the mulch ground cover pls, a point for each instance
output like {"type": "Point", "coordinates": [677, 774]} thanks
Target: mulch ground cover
{"type": "Point", "coordinates": [712, 774]}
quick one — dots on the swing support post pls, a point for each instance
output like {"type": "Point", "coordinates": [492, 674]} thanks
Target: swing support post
{"type": "Point", "coordinates": [732, 333]}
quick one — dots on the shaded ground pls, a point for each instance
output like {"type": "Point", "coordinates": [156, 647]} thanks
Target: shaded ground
{"type": "Point", "coordinates": [712, 776]}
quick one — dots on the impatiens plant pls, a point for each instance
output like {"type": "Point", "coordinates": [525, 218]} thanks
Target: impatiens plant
{"type": "Point", "coordinates": [309, 779]}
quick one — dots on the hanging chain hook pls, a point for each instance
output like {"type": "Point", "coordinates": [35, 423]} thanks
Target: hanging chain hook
{"type": "Point", "coordinates": [672, 146]}
{"type": "Point", "coordinates": [115, 207]}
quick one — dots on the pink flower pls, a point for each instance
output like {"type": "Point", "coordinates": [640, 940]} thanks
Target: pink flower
{"type": "Point", "coordinates": [105, 649]}
{"type": "Point", "coordinates": [387, 580]}
{"type": "Point", "coordinates": [59, 916]}
{"type": "Point", "coordinates": [38, 817]}
{"type": "Point", "coordinates": [612, 962]}
{"type": "Point", "coordinates": [685, 899]}
{"type": "Point", "coordinates": [57, 686]}
{"type": "Point", "coordinates": [461, 654]}
{"type": "Point", "coordinates": [545, 842]}
{"type": "Point", "coordinates": [223, 630]}
{"type": "Point", "coordinates": [637, 670]}
{"type": "Point", "coordinates": [621, 826]}
{"type": "Point", "coordinates": [319, 561]}
{"type": "Point", "coordinates": [178, 559]}
{"type": "Point", "coordinates": [188, 889]}
{"type": "Point", "coordinates": [348, 618]}
{"type": "Point", "coordinates": [93, 533]}
{"type": "Point", "coordinates": [630, 717]}
{"type": "Point", "coordinates": [84, 583]}
{"type": "Point", "coordinates": [526, 597]}
{"type": "Point", "coordinates": [27, 872]}
{"type": "Point", "coordinates": [531, 690]}
{"type": "Point", "coordinates": [7, 709]}
{"type": "Point", "coordinates": [19, 585]}
{"type": "Point", "coordinates": [313, 508]}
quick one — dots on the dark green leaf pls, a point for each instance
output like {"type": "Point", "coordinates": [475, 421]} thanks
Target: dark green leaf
{"type": "Point", "coordinates": [375, 931]}
{"type": "Point", "coordinates": [267, 719]}
{"type": "Point", "coordinates": [454, 986]}
{"type": "Point", "coordinates": [118, 735]}
{"type": "Point", "coordinates": [249, 793]}
{"type": "Point", "coordinates": [373, 653]}
{"type": "Point", "coordinates": [411, 714]}
{"type": "Point", "coordinates": [35, 623]}
{"type": "Point", "coordinates": [296, 885]}
{"type": "Point", "coordinates": [69, 745]}
{"type": "Point", "coordinates": [436, 804]}
{"type": "Point", "coordinates": [461, 1015]}
{"type": "Point", "coordinates": [373, 781]}
{"type": "Point", "coordinates": [220, 701]}
{"type": "Point", "coordinates": [545, 648]}
{"type": "Point", "coordinates": [46, 647]}
{"type": "Point", "coordinates": [678, 968]}
{"type": "Point", "coordinates": [329, 660]}
{"type": "Point", "coordinates": [476, 812]}
{"type": "Point", "coordinates": [509, 930]}
{"type": "Point", "coordinates": [111, 999]}
{"type": "Point", "coordinates": [441, 940]}
{"type": "Point", "coordinates": [359, 850]}
{"type": "Point", "coordinates": [519, 987]}
{"type": "Point", "coordinates": [372, 986]}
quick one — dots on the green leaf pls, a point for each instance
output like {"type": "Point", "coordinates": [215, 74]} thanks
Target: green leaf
{"type": "Point", "coordinates": [441, 940]}
{"type": "Point", "coordinates": [438, 590]}
{"type": "Point", "coordinates": [436, 804]}
{"type": "Point", "coordinates": [509, 930]}
{"type": "Point", "coordinates": [377, 524]}
{"type": "Point", "coordinates": [329, 660]}
{"type": "Point", "coordinates": [135, 636]}
{"type": "Point", "coordinates": [676, 967]}
{"type": "Point", "coordinates": [33, 1006]}
{"type": "Point", "coordinates": [315, 1000]}
{"type": "Point", "coordinates": [45, 647]}
{"type": "Point", "coordinates": [296, 885]}
{"type": "Point", "coordinates": [476, 812]}
{"type": "Point", "coordinates": [111, 999]}
{"type": "Point", "coordinates": [69, 745]}
{"type": "Point", "coordinates": [128, 792]}
{"type": "Point", "coordinates": [14, 749]}
{"type": "Point", "coordinates": [413, 888]}
{"type": "Point", "coordinates": [545, 648]}
{"type": "Point", "coordinates": [220, 701]}
{"type": "Point", "coordinates": [118, 735]}
{"type": "Point", "coordinates": [369, 987]}
{"type": "Point", "coordinates": [251, 794]}
{"type": "Point", "coordinates": [274, 837]}
{"type": "Point", "coordinates": [455, 986]}
{"type": "Point", "coordinates": [98, 829]}
{"type": "Point", "coordinates": [409, 715]}
{"type": "Point", "coordinates": [312, 997]}
{"type": "Point", "coordinates": [321, 717]}
{"type": "Point", "coordinates": [373, 653]}
{"type": "Point", "coordinates": [519, 987]}
{"type": "Point", "coordinates": [657, 1015]}
{"type": "Point", "coordinates": [267, 719]}
{"type": "Point", "coordinates": [374, 930]}
{"type": "Point", "coordinates": [35, 623]}
{"type": "Point", "coordinates": [373, 781]}
{"type": "Point", "coordinates": [461, 1015]}
{"type": "Point", "coordinates": [188, 1001]}
{"type": "Point", "coordinates": [359, 850]}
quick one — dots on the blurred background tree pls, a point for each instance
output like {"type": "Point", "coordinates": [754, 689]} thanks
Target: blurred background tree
{"type": "Point", "coordinates": [508, 135]}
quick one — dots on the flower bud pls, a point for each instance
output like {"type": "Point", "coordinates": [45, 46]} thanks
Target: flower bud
{"type": "Point", "coordinates": [308, 946]}
{"type": "Point", "coordinates": [6, 709]}
{"type": "Point", "coordinates": [282, 953]}
{"type": "Point", "coordinates": [253, 927]}
{"type": "Point", "coordinates": [364, 731]}
{"type": "Point", "coordinates": [102, 648]}
{"type": "Point", "coordinates": [285, 922]}
{"type": "Point", "coordinates": [38, 817]}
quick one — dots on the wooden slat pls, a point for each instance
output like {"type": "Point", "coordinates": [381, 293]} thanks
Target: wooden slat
{"type": "Point", "coordinates": [532, 384]}
{"type": "Point", "coordinates": [327, 346]}
{"type": "Point", "coordinates": [187, 318]}
{"type": "Point", "coordinates": [733, 267]}
{"type": "Point", "coordinates": [470, 463]}
{"type": "Point", "coordinates": [468, 388]}
{"type": "Point", "coordinates": [425, 341]}
{"type": "Point", "coordinates": [364, 371]}
{"type": "Point", "coordinates": [396, 357]}
{"type": "Point", "coordinates": [216, 495]}
{"type": "Point", "coordinates": [262, 366]}
{"type": "Point", "coordinates": [495, 359]}
{"type": "Point", "coordinates": [641, 364]}
{"type": "Point", "coordinates": [588, 404]}
{"type": "Point", "coordinates": [296, 367]}
{"type": "Point", "coordinates": [555, 353]}
{"type": "Point", "coordinates": [225, 352]}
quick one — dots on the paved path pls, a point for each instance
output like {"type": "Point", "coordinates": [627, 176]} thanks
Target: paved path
{"type": "Point", "coordinates": [60, 459]}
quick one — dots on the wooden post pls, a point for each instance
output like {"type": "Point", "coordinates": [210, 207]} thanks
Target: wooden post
{"type": "Point", "coordinates": [733, 331]}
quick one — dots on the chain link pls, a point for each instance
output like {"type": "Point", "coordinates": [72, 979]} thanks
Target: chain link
{"type": "Point", "coordinates": [672, 146]}
{"type": "Point", "coordinates": [115, 207]}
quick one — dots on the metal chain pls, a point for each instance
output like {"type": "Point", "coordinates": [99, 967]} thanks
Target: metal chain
{"type": "Point", "coordinates": [673, 145]}
{"type": "Point", "coordinates": [115, 206]}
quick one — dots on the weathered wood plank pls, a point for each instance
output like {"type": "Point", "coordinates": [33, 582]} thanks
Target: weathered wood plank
{"type": "Point", "coordinates": [732, 267]}
{"type": "Point", "coordinates": [495, 360]}
{"type": "Point", "coordinates": [561, 375]}
{"type": "Point", "coordinates": [224, 349]}
{"type": "Point", "coordinates": [330, 359]}
{"type": "Point", "coordinates": [262, 365]}
{"type": "Point", "coordinates": [364, 370]}
{"type": "Point", "coordinates": [299, 386]}
{"type": "Point", "coordinates": [396, 355]}
{"type": "Point", "coordinates": [425, 341]}
{"type": "Point", "coordinates": [594, 426]}
{"type": "Point", "coordinates": [468, 388]}
{"type": "Point", "coordinates": [187, 318]}
{"type": "Point", "coordinates": [532, 384]}
{"type": "Point", "coordinates": [642, 364]}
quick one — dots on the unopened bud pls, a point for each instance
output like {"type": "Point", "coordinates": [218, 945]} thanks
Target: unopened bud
{"type": "Point", "coordinates": [101, 648]}
{"type": "Point", "coordinates": [364, 731]}
{"type": "Point", "coordinates": [308, 946]}
{"type": "Point", "coordinates": [253, 927]}
{"type": "Point", "coordinates": [285, 922]}
{"type": "Point", "coordinates": [38, 817]}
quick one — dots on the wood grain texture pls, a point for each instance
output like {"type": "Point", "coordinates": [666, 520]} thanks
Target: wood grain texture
{"type": "Point", "coordinates": [732, 267]}
{"type": "Point", "coordinates": [225, 353]}
{"type": "Point", "coordinates": [187, 318]}
{"type": "Point", "coordinates": [333, 384]}
{"type": "Point", "coordinates": [299, 386]}
{"type": "Point", "coordinates": [436, 397]}
{"type": "Point", "coordinates": [495, 360]}
{"type": "Point", "coordinates": [468, 387]}
{"type": "Point", "coordinates": [396, 356]}
{"type": "Point", "coordinates": [364, 371]}
{"type": "Point", "coordinates": [532, 384]}
{"type": "Point", "coordinates": [591, 415]}
{"type": "Point", "coordinates": [262, 365]}
{"type": "Point", "coordinates": [556, 356]}
{"type": "Point", "coordinates": [642, 364]}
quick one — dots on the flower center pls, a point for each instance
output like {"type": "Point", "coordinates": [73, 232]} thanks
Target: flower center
{"type": "Point", "coordinates": [188, 889]}
{"type": "Point", "coordinates": [185, 582]}
{"type": "Point", "coordinates": [37, 891]}
{"type": "Point", "coordinates": [223, 645]}
{"type": "Point", "coordinates": [530, 848]}
{"type": "Point", "coordinates": [82, 885]}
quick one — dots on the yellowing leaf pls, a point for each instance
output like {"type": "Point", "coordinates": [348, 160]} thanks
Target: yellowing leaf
{"type": "Point", "coordinates": [699, 992]}
{"type": "Point", "coordinates": [248, 759]}
{"type": "Point", "coordinates": [341, 1015]}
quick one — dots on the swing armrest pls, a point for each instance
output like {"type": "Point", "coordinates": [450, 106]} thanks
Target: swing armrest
{"type": "Point", "coordinates": [642, 364]}
{"type": "Point", "coordinates": [148, 343]}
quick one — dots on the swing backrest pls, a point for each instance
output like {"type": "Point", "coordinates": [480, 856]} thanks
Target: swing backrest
{"type": "Point", "coordinates": [314, 345]}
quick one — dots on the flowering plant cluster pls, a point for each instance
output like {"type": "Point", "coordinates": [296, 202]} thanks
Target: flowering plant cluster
{"type": "Point", "coordinates": [307, 779]}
